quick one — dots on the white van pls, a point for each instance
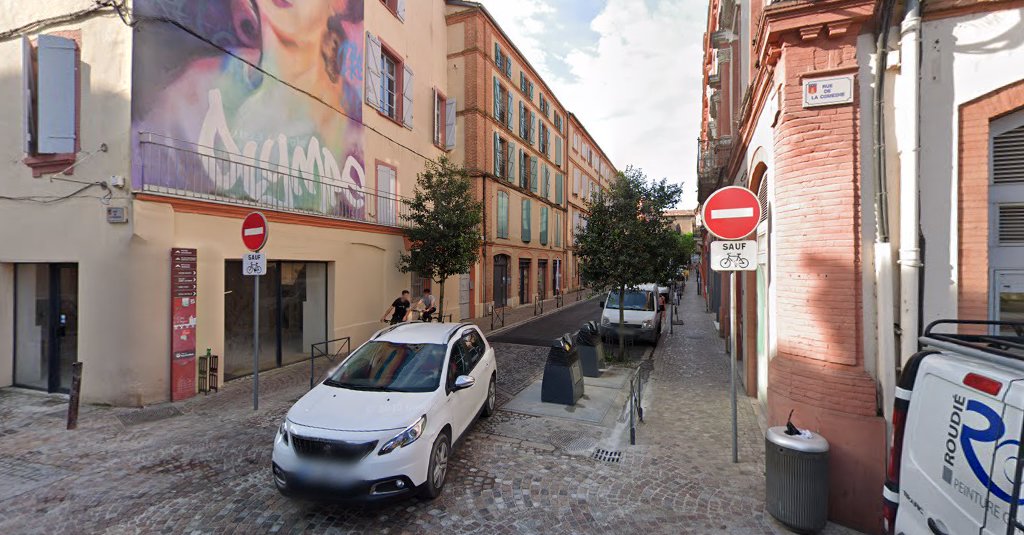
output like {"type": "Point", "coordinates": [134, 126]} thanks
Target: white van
{"type": "Point", "coordinates": [641, 314]}
{"type": "Point", "coordinates": [957, 434]}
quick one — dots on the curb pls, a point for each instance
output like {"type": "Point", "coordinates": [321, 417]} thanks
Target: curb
{"type": "Point", "coordinates": [511, 326]}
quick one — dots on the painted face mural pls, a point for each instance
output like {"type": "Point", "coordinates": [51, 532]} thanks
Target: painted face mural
{"type": "Point", "coordinates": [265, 107]}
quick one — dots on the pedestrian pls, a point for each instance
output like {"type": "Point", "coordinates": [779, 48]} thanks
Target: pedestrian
{"type": "Point", "coordinates": [427, 306]}
{"type": "Point", "coordinates": [399, 309]}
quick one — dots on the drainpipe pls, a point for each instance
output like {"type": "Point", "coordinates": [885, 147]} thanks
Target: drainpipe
{"type": "Point", "coordinates": [885, 292]}
{"type": "Point", "coordinates": [908, 124]}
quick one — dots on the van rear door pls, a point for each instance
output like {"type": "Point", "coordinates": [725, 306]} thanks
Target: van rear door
{"type": "Point", "coordinates": [954, 431]}
{"type": "Point", "coordinates": [1002, 471]}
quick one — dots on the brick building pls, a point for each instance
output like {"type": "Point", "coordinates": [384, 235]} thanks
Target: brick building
{"type": "Point", "coordinates": [512, 133]}
{"type": "Point", "coordinates": [850, 265]}
{"type": "Point", "coordinates": [589, 169]}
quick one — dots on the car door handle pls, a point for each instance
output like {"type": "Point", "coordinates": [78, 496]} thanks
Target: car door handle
{"type": "Point", "coordinates": [937, 527]}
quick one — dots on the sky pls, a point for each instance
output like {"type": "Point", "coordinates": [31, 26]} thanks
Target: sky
{"type": "Point", "coordinates": [629, 69]}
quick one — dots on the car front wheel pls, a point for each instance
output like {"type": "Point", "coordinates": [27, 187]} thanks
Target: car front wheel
{"type": "Point", "coordinates": [437, 471]}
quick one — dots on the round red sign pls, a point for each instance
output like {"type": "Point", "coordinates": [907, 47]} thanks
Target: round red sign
{"type": "Point", "coordinates": [731, 213]}
{"type": "Point", "coordinates": [255, 231]}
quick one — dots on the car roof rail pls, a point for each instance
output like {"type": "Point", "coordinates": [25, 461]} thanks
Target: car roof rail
{"type": "Point", "coordinates": [996, 344]}
{"type": "Point", "coordinates": [386, 330]}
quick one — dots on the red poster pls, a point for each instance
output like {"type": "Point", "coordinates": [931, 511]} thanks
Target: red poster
{"type": "Point", "coordinates": [183, 323]}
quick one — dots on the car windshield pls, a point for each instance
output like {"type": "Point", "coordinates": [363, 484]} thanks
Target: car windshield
{"type": "Point", "coordinates": [391, 367]}
{"type": "Point", "coordinates": [635, 300]}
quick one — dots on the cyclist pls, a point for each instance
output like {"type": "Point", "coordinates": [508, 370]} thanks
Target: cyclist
{"type": "Point", "coordinates": [427, 306]}
{"type": "Point", "coordinates": [399, 309]}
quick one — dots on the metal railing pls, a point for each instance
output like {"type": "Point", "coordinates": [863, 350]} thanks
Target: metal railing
{"type": "Point", "coordinates": [332, 350]}
{"type": "Point", "coordinates": [312, 186]}
{"type": "Point", "coordinates": [636, 408]}
{"type": "Point", "coordinates": [497, 315]}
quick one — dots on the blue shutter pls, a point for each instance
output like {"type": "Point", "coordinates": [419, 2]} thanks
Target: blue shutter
{"type": "Point", "coordinates": [55, 98]}
{"type": "Point", "coordinates": [544, 225]}
{"type": "Point", "coordinates": [497, 156]}
{"type": "Point", "coordinates": [522, 170]}
{"type": "Point", "coordinates": [533, 125]}
{"type": "Point", "coordinates": [497, 55]}
{"type": "Point", "coordinates": [510, 162]}
{"type": "Point", "coordinates": [558, 151]}
{"type": "Point", "coordinates": [502, 214]}
{"type": "Point", "coordinates": [558, 188]}
{"type": "Point", "coordinates": [533, 174]}
{"type": "Point", "coordinates": [526, 220]}
{"type": "Point", "coordinates": [497, 98]}
{"type": "Point", "coordinates": [547, 182]}
{"type": "Point", "coordinates": [509, 117]}
{"type": "Point", "coordinates": [508, 66]}
{"type": "Point", "coordinates": [522, 120]}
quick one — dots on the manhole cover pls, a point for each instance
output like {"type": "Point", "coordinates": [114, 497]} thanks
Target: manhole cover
{"type": "Point", "coordinates": [607, 456]}
{"type": "Point", "coordinates": [148, 415]}
{"type": "Point", "coordinates": [570, 441]}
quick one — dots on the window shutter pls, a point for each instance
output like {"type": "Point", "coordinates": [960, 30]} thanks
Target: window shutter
{"type": "Point", "coordinates": [1008, 157]}
{"type": "Point", "coordinates": [522, 81]}
{"type": "Point", "coordinates": [28, 78]}
{"type": "Point", "coordinates": [547, 182]}
{"type": "Point", "coordinates": [449, 124]}
{"type": "Point", "coordinates": [510, 163]}
{"type": "Point", "coordinates": [508, 66]}
{"type": "Point", "coordinates": [497, 55]}
{"type": "Point", "coordinates": [526, 220]}
{"type": "Point", "coordinates": [56, 101]}
{"type": "Point", "coordinates": [1011, 224]}
{"type": "Point", "coordinates": [509, 118]}
{"type": "Point", "coordinates": [558, 150]}
{"type": "Point", "coordinates": [522, 121]}
{"type": "Point", "coordinates": [373, 74]}
{"type": "Point", "coordinates": [497, 98]}
{"type": "Point", "coordinates": [533, 174]}
{"type": "Point", "coordinates": [436, 118]}
{"type": "Point", "coordinates": [400, 11]}
{"type": "Point", "coordinates": [533, 125]}
{"type": "Point", "coordinates": [558, 188]}
{"type": "Point", "coordinates": [531, 89]}
{"type": "Point", "coordinates": [407, 89]}
{"type": "Point", "coordinates": [497, 155]}
{"type": "Point", "coordinates": [543, 225]}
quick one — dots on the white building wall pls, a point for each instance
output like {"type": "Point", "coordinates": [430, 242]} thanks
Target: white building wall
{"type": "Point", "coordinates": [962, 58]}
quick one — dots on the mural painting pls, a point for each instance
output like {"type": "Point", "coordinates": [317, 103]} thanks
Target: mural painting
{"type": "Point", "coordinates": [255, 101]}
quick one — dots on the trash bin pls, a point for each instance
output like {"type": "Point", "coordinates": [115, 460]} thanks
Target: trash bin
{"type": "Point", "coordinates": [796, 478]}
{"type": "Point", "coordinates": [591, 349]}
{"type": "Point", "coordinates": [563, 377]}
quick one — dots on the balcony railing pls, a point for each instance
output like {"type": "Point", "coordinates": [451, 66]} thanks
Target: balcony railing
{"type": "Point", "coordinates": [179, 169]}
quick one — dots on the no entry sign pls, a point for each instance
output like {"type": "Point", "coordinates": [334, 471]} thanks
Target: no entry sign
{"type": "Point", "coordinates": [731, 213]}
{"type": "Point", "coordinates": [255, 231]}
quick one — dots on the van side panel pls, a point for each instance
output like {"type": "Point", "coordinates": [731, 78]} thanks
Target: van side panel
{"type": "Point", "coordinates": [1002, 471]}
{"type": "Point", "coordinates": [953, 433]}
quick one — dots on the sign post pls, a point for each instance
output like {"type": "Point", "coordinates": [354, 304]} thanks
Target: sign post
{"type": "Point", "coordinates": [732, 214]}
{"type": "Point", "coordinates": [254, 235]}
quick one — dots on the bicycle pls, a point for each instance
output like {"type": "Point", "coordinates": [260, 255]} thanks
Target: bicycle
{"type": "Point", "coordinates": [734, 260]}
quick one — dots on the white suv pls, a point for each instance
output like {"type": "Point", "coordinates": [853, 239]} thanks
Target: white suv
{"type": "Point", "coordinates": [384, 421]}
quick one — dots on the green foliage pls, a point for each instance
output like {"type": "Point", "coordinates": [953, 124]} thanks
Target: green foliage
{"type": "Point", "coordinates": [628, 240]}
{"type": "Point", "coordinates": [444, 224]}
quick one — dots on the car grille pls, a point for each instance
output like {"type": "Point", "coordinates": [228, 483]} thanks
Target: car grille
{"type": "Point", "coordinates": [336, 450]}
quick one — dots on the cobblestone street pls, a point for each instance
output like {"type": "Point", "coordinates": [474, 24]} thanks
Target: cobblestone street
{"type": "Point", "coordinates": [203, 466]}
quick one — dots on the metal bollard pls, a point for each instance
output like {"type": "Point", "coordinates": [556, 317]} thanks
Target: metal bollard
{"type": "Point", "coordinates": [76, 390]}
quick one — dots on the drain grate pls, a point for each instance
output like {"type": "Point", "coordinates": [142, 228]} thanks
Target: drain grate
{"type": "Point", "coordinates": [571, 442]}
{"type": "Point", "coordinates": [607, 456]}
{"type": "Point", "coordinates": [144, 416]}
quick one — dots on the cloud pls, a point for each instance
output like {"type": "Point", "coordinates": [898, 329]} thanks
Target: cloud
{"type": "Point", "coordinates": [630, 70]}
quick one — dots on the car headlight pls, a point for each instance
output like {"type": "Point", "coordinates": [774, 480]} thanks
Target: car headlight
{"type": "Point", "coordinates": [406, 437]}
{"type": "Point", "coordinates": [646, 324]}
{"type": "Point", "coordinates": [605, 320]}
{"type": "Point", "coordinates": [284, 432]}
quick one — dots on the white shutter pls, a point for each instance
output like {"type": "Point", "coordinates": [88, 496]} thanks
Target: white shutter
{"type": "Point", "coordinates": [449, 125]}
{"type": "Point", "coordinates": [56, 100]}
{"type": "Point", "coordinates": [373, 75]}
{"type": "Point", "coordinates": [28, 76]}
{"type": "Point", "coordinates": [407, 88]}
{"type": "Point", "coordinates": [401, 10]}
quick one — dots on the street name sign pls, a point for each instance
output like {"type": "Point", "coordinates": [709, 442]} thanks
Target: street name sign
{"type": "Point", "coordinates": [734, 255]}
{"type": "Point", "coordinates": [731, 213]}
{"type": "Point", "coordinates": [254, 264]}
{"type": "Point", "coordinates": [255, 232]}
{"type": "Point", "coordinates": [828, 91]}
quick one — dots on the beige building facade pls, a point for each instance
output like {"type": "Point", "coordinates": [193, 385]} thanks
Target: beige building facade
{"type": "Point", "coordinates": [169, 147]}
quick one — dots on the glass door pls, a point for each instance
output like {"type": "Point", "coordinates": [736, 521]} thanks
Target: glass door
{"type": "Point", "coordinates": [46, 325]}
{"type": "Point", "coordinates": [524, 282]}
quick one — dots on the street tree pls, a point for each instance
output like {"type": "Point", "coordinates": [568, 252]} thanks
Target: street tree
{"type": "Point", "coordinates": [444, 224]}
{"type": "Point", "coordinates": [627, 240]}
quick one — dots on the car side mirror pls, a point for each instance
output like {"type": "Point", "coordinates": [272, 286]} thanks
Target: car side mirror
{"type": "Point", "coordinates": [463, 382]}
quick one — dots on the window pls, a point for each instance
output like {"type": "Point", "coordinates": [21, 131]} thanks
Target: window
{"type": "Point", "coordinates": [525, 85]}
{"type": "Point", "coordinates": [543, 138]}
{"type": "Point", "coordinates": [558, 188]}
{"type": "Point", "coordinates": [444, 121]}
{"type": "Point", "coordinates": [544, 105]}
{"type": "Point", "coordinates": [387, 199]}
{"type": "Point", "coordinates": [577, 182]}
{"type": "Point", "coordinates": [502, 227]}
{"type": "Point", "coordinates": [546, 183]}
{"type": "Point", "coordinates": [558, 122]}
{"type": "Point", "coordinates": [558, 229]}
{"type": "Point", "coordinates": [502, 104]}
{"type": "Point", "coordinates": [544, 225]}
{"type": "Point", "coordinates": [396, 7]}
{"type": "Point", "coordinates": [52, 84]}
{"type": "Point", "coordinates": [502, 61]}
{"type": "Point", "coordinates": [503, 159]}
{"type": "Point", "coordinates": [389, 82]}
{"type": "Point", "coordinates": [526, 220]}
{"type": "Point", "coordinates": [472, 346]}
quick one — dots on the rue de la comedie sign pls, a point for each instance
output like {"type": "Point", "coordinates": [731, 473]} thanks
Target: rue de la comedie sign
{"type": "Point", "coordinates": [828, 91]}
